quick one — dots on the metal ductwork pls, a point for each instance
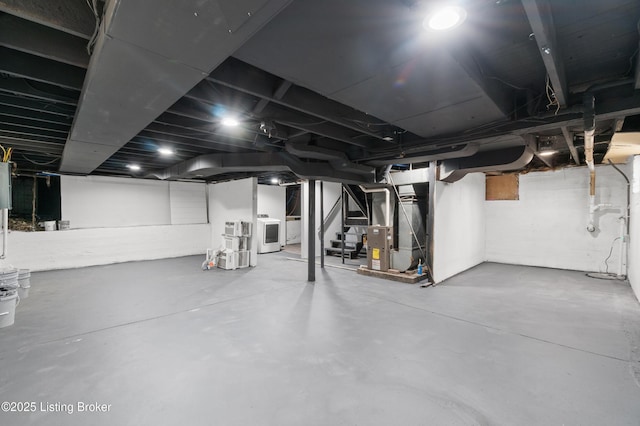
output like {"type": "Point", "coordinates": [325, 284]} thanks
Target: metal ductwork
{"type": "Point", "coordinates": [513, 158]}
{"type": "Point", "coordinates": [209, 165]}
{"type": "Point", "coordinates": [337, 159]}
{"type": "Point", "coordinates": [368, 189]}
{"type": "Point", "coordinates": [436, 154]}
{"type": "Point", "coordinates": [147, 56]}
{"type": "Point", "coordinates": [427, 151]}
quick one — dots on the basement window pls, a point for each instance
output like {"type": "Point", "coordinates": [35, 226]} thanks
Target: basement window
{"type": "Point", "coordinates": [503, 187]}
{"type": "Point", "coordinates": [34, 199]}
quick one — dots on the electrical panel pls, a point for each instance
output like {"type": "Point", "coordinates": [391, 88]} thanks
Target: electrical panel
{"type": "Point", "coordinates": [5, 186]}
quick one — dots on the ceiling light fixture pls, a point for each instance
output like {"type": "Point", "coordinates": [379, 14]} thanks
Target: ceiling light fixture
{"type": "Point", "coordinates": [166, 151]}
{"type": "Point", "coordinates": [275, 181]}
{"type": "Point", "coordinates": [133, 167]}
{"type": "Point", "coordinates": [229, 122]}
{"type": "Point", "coordinates": [445, 18]}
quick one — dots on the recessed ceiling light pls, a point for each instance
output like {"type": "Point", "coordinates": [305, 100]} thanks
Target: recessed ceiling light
{"type": "Point", "coordinates": [275, 181]}
{"type": "Point", "coordinates": [229, 122]}
{"type": "Point", "coordinates": [133, 167]}
{"type": "Point", "coordinates": [445, 18]}
{"type": "Point", "coordinates": [166, 151]}
{"type": "Point", "coordinates": [547, 153]}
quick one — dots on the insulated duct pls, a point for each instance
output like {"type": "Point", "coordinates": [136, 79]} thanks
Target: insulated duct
{"type": "Point", "coordinates": [205, 166]}
{"type": "Point", "coordinates": [337, 159]}
{"type": "Point", "coordinates": [436, 154]}
{"type": "Point", "coordinates": [513, 158]}
{"type": "Point", "coordinates": [387, 200]}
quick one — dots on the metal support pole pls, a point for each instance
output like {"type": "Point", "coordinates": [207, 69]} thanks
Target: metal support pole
{"type": "Point", "coordinates": [342, 224]}
{"type": "Point", "coordinates": [430, 216]}
{"type": "Point", "coordinates": [5, 232]}
{"type": "Point", "coordinates": [321, 224]}
{"type": "Point", "coordinates": [311, 234]}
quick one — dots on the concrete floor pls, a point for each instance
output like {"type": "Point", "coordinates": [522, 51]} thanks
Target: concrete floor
{"type": "Point", "coordinates": [166, 343]}
{"type": "Point", "coordinates": [292, 251]}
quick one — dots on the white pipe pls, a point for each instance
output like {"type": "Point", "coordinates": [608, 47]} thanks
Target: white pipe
{"type": "Point", "coordinates": [5, 232]}
{"type": "Point", "coordinates": [387, 197]}
{"type": "Point", "coordinates": [623, 243]}
{"type": "Point", "coordinates": [593, 208]}
{"type": "Point", "coordinates": [589, 136]}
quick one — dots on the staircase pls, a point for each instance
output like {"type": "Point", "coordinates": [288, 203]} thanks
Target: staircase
{"type": "Point", "coordinates": [352, 240]}
{"type": "Point", "coordinates": [354, 244]}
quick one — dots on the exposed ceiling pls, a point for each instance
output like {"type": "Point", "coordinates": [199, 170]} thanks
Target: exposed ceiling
{"type": "Point", "coordinates": [328, 89]}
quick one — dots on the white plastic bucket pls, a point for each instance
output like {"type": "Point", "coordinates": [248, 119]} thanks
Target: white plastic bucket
{"type": "Point", "coordinates": [50, 225]}
{"type": "Point", "coordinates": [8, 302]}
{"type": "Point", "coordinates": [9, 278]}
{"type": "Point", "coordinates": [24, 280]}
{"type": "Point", "coordinates": [63, 225]}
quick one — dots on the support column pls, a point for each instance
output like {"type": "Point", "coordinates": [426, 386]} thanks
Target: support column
{"type": "Point", "coordinates": [430, 216]}
{"type": "Point", "coordinates": [321, 224]}
{"type": "Point", "coordinates": [342, 217]}
{"type": "Point", "coordinates": [311, 241]}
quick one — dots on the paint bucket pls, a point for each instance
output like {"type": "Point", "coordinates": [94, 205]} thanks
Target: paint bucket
{"type": "Point", "coordinates": [63, 225]}
{"type": "Point", "coordinates": [24, 281]}
{"type": "Point", "coordinates": [50, 225]}
{"type": "Point", "coordinates": [9, 278]}
{"type": "Point", "coordinates": [8, 303]}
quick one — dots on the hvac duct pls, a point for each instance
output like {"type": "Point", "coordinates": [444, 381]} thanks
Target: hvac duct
{"type": "Point", "coordinates": [513, 158]}
{"type": "Point", "coordinates": [387, 200]}
{"type": "Point", "coordinates": [337, 159]}
{"type": "Point", "coordinates": [208, 165]}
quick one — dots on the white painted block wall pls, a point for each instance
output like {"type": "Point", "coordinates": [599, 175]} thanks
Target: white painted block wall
{"type": "Point", "coordinates": [547, 225]}
{"type": "Point", "coordinates": [75, 248]}
{"type": "Point", "coordinates": [229, 201]}
{"type": "Point", "coordinates": [117, 220]}
{"type": "Point", "coordinates": [105, 202]}
{"type": "Point", "coordinates": [188, 202]}
{"type": "Point", "coordinates": [294, 231]}
{"type": "Point", "coordinates": [459, 226]}
{"type": "Point", "coordinates": [634, 232]}
{"type": "Point", "coordinates": [272, 201]}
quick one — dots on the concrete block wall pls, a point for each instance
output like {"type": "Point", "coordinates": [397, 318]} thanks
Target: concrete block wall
{"type": "Point", "coordinates": [117, 220]}
{"type": "Point", "coordinates": [75, 248]}
{"type": "Point", "coordinates": [459, 226]}
{"type": "Point", "coordinates": [234, 200]}
{"type": "Point", "coordinates": [547, 225]}
{"type": "Point", "coordinates": [634, 232]}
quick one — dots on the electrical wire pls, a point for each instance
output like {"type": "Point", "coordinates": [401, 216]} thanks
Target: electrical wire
{"type": "Point", "coordinates": [366, 123]}
{"type": "Point", "coordinates": [293, 209]}
{"type": "Point", "coordinates": [6, 154]}
{"type": "Point", "coordinates": [291, 123]}
{"type": "Point", "coordinates": [475, 61]}
{"type": "Point", "coordinates": [93, 6]}
{"type": "Point", "coordinates": [551, 95]}
{"type": "Point", "coordinates": [38, 163]}
{"type": "Point", "coordinates": [606, 265]}
{"type": "Point", "coordinates": [631, 62]}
